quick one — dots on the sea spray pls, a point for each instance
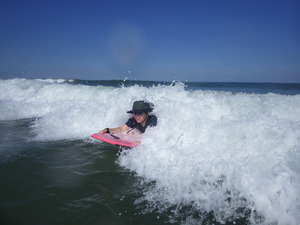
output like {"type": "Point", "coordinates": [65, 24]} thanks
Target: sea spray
{"type": "Point", "coordinates": [211, 151]}
{"type": "Point", "coordinates": [210, 147]}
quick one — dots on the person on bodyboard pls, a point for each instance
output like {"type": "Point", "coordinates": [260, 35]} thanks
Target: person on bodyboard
{"type": "Point", "coordinates": [139, 122]}
{"type": "Point", "coordinates": [134, 127]}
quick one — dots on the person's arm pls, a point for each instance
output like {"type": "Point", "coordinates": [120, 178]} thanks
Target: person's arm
{"type": "Point", "coordinates": [120, 129]}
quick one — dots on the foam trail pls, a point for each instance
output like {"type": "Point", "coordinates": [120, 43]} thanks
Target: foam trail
{"type": "Point", "coordinates": [208, 147]}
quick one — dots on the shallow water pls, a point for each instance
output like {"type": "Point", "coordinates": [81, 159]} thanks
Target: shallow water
{"type": "Point", "coordinates": [217, 156]}
{"type": "Point", "coordinates": [66, 182]}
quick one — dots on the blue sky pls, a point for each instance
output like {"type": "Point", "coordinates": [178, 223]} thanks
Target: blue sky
{"type": "Point", "coordinates": [232, 40]}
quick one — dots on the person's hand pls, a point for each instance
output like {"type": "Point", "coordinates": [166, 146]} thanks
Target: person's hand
{"type": "Point", "coordinates": [103, 131]}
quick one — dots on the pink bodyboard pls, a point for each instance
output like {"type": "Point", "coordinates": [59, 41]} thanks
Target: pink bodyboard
{"type": "Point", "coordinates": [118, 139]}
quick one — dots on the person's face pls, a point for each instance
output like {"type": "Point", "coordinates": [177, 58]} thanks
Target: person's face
{"type": "Point", "coordinates": [140, 118]}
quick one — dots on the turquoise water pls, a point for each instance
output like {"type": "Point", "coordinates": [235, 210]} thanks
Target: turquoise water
{"type": "Point", "coordinates": [221, 153]}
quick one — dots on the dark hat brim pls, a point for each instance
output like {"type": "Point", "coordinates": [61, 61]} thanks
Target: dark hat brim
{"type": "Point", "coordinates": [140, 111]}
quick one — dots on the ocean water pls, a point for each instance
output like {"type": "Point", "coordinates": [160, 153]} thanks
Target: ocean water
{"type": "Point", "coordinates": [222, 153]}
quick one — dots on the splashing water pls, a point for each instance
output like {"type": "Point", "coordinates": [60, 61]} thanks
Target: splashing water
{"type": "Point", "coordinates": [211, 151]}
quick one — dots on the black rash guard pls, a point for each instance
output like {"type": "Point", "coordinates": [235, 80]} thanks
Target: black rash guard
{"type": "Point", "coordinates": [151, 121]}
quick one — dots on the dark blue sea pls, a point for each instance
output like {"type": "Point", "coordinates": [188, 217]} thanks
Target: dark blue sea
{"type": "Point", "coordinates": [222, 153]}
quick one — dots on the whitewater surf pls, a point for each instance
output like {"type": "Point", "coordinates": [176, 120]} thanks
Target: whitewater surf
{"type": "Point", "coordinates": [219, 153]}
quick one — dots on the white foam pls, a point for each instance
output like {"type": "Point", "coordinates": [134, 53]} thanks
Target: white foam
{"type": "Point", "coordinates": [208, 146]}
{"type": "Point", "coordinates": [242, 141]}
{"type": "Point", "coordinates": [52, 80]}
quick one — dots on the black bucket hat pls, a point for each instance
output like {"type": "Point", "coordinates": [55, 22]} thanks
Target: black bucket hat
{"type": "Point", "coordinates": [141, 106]}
